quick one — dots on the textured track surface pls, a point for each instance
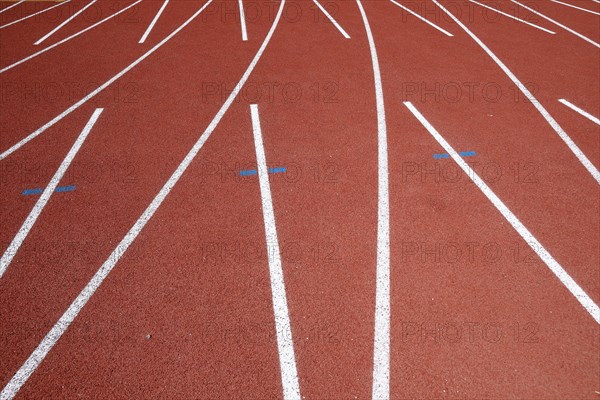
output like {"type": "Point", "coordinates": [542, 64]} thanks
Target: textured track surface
{"type": "Point", "coordinates": [190, 309]}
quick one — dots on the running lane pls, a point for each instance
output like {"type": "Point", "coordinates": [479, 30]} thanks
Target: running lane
{"type": "Point", "coordinates": [475, 313]}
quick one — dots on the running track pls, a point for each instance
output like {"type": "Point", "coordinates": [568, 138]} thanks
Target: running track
{"type": "Point", "coordinates": [325, 201]}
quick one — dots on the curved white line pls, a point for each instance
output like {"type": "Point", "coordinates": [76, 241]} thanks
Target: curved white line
{"type": "Point", "coordinates": [75, 106]}
{"type": "Point", "coordinates": [541, 109]}
{"type": "Point", "coordinates": [381, 349]}
{"type": "Point", "coordinates": [52, 337]}
{"type": "Point", "coordinates": [579, 35]}
{"type": "Point", "coordinates": [11, 66]}
{"type": "Point", "coordinates": [33, 15]}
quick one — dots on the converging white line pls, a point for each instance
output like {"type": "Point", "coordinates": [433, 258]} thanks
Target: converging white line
{"type": "Point", "coordinates": [580, 111]}
{"type": "Point", "coordinates": [576, 290]}
{"type": "Point", "coordinates": [19, 238]}
{"type": "Point", "coordinates": [93, 93]}
{"type": "Point", "coordinates": [61, 326]}
{"type": "Point", "coordinates": [381, 345]}
{"type": "Point", "coordinates": [53, 31]}
{"type": "Point", "coordinates": [573, 6]}
{"type": "Point", "coordinates": [285, 344]}
{"type": "Point", "coordinates": [333, 21]}
{"type": "Point", "coordinates": [513, 17]}
{"type": "Point", "coordinates": [555, 126]}
{"type": "Point", "coordinates": [11, 66]}
{"type": "Point", "coordinates": [11, 6]}
{"type": "Point", "coordinates": [445, 32]}
{"type": "Point", "coordinates": [243, 20]}
{"type": "Point", "coordinates": [34, 14]}
{"type": "Point", "coordinates": [558, 23]}
{"type": "Point", "coordinates": [160, 11]}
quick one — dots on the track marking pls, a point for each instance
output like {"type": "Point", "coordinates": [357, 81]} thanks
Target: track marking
{"type": "Point", "coordinates": [462, 154]}
{"type": "Point", "coordinates": [11, 66]}
{"type": "Point", "coordinates": [591, 307]}
{"type": "Point", "coordinates": [11, 6]}
{"type": "Point", "coordinates": [580, 111]}
{"type": "Point", "coordinates": [243, 21]}
{"type": "Point", "coordinates": [38, 355]}
{"type": "Point", "coordinates": [445, 32]}
{"type": "Point", "coordinates": [381, 346]}
{"type": "Point", "coordinates": [21, 235]}
{"type": "Point", "coordinates": [573, 6]}
{"type": "Point", "coordinates": [557, 128]}
{"type": "Point", "coordinates": [557, 23]}
{"type": "Point", "coordinates": [285, 344]}
{"type": "Point", "coordinates": [34, 14]}
{"type": "Point", "coordinates": [156, 17]}
{"type": "Point", "coordinates": [53, 31]}
{"type": "Point", "coordinates": [59, 189]}
{"type": "Point", "coordinates": [513, 17]}
{"type": "Point", "coordinates": [332, 20]}
{"type": "Point", "coordinates": [75, 106]}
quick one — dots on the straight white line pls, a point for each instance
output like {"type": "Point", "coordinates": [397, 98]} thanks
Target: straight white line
{"type": "Point", "coordinates": [75, 106]}
{"type": "Point", "coordinates": [513, 17]}
{"type": "Point", "coordinates": [53, 31]}
{"type": "Point", "coordinates": [21, 235]}
{"type": "Point", "coordinates": [551, 263]}
{"type": "Point", "coordinates": [33, 15]}
{"type": "Point", "coordinates": [557, 128]}
{"type": "Point", "coordinates": [285, 344]}
{"type": "Point", "coordinates": [333, 21]}
{"type": "Point", "coordinates": [67, 39]}
{"type": "Point", "coordinates": [38, 355]}
{"type": "Point", "coordinates": [381, 346]}
{"type": "Point", "coordinates": [558, 23]}
{"type": "Point", "coordinates": [573, 6]}
{"type": "Point", "coordinates": [11, 6]}
{"type": "Point", "coordinates": [164, 5]}
{"type": "Point", "coordinates": [580, 111]}
{"type": "Point", "coordinates": [445, 32]}
{"type": "Point", "coordinates": [243, 20]}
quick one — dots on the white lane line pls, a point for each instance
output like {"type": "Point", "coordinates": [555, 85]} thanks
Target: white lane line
{"type": "Point", "coordinates": [557, 128]}
{"type": "Point", "coordinates": [90, 95]}
{"type": "Point", "coordinates": [156, 17]}
{"type": "Point", "coordinates": [333, 21]}
{"type": "Point", "coordinates": [11, 66]}
{"type": "Point", "coordinates": [21, 235]}
{"type": "Point", "coordinates": [381, 346]}
{"type": "Point", "coordinates": [285, 344]}
{"type": "Point", "coordinates": [580, 111]}
{"type": "Point", "coordinates": [53, 31]}
{"type": "Point", "coordinates": [573, 6]}
{"type": "Point", "coordinates": [445, 32]}
{"type": "Point", "coordinates": [558, 23]}
{"type": "Point", "coordinates": [513, 17]}
{"type": "Point", "coordinates": [551, 263]}
{"type": "Point", "coordinates": [11, 6]}
{"type": "Point", "coordinates": [34, 14]}
{"type": "Point", "coordinates": [243, 20]}
{"type": "Point", "coordinates": [38, 355]}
